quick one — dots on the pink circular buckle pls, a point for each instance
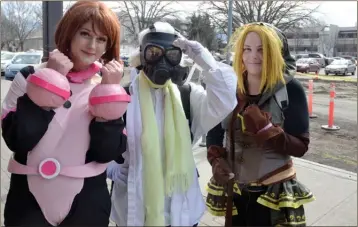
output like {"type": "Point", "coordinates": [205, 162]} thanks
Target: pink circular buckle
{"type": "Point", "coordinates": [49, 168]}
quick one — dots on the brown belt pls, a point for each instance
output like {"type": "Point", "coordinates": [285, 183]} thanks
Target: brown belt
{"type": "Point", "coordinates": [279, 175]}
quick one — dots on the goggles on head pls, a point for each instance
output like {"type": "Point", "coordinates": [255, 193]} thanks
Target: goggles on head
{"type": "Point", "coordinates": [153, 53]}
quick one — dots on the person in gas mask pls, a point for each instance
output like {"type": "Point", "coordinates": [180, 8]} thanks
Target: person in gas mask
{"type": "Point", "coordinates": [156, 183]}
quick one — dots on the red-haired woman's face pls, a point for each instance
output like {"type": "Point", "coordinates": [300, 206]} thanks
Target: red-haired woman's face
{"type": "Point", "coordinates": [87, 46]}
{"type": "Point", "coordinates": [252, 54]}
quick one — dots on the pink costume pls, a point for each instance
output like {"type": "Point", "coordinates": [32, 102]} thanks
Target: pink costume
{"type": "Point", "coordinates": [56, 166]}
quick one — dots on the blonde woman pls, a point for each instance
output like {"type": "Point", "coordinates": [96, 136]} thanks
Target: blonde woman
{"type": "Point", "coordinates": [253, 164]}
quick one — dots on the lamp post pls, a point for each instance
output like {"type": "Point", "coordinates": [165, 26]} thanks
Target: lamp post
{"type": "Point", "coordinates": [52, 12]}
{"type": "Point", "coordinates": [229, 31]}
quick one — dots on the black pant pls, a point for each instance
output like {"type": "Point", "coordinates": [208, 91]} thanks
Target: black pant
{"type": "Point", "coordinates": [193, 225]}
{"type": "Point", "coordinates": [91, 207]}
{"type": "Point", "coordinates": [170, 226]}
{"type": "Point", "coordinates": [250, 213]}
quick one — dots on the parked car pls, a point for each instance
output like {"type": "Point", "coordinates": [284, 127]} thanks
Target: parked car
{"type": "Point", "coordinates": [306, 65]}
{"type": "Point", "coordinates": [347, 57]}
{"type": "Point", "coordinates": [125, 60]}
{"type": "Point", "coordinates": [329, 60]}
{"type": "Point", "coordinates": [341, 67]}
{"type": "Point", "coordinates": [338, 58]}
{"type": "Point", "coordinates": [6, 58]}
{"type": "Point", "coordinates": [319, 57]}
{"type": "Point", "coordinates": [20, 61]}
{"type": "Point", "coordinates": [298, 56]}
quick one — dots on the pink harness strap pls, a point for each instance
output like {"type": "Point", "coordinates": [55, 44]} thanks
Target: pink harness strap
{"type": "Point", "coordinates": [109, 98]}
{"type": "Point", "coordinates": [51, 168]}
{"type": "Point", "coordinates": [50, 87]}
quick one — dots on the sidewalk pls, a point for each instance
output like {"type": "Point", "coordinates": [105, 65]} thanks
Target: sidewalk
{"type": "Point", "coordinates": [335, 191]}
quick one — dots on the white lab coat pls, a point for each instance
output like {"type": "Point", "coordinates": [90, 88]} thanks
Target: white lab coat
{"type": "Point", "coordinates": [208, 108]}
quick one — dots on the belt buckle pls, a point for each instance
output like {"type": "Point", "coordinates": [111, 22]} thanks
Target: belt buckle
{"type": "Point", "coordinates": [248, 187]}
{"type": "Point", "coordinates": [49, 168]}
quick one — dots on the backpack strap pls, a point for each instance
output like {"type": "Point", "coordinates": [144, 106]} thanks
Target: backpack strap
{"type": "Point", "coordinates": [126, 88]}
{"type": "Point", "coordinates": [27, 71]}
{"type": "Point", "coordinates": [281, 96]}
{"type": "Point", "coordinates": [185, 91]}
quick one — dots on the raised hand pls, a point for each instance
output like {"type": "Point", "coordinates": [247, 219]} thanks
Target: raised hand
{"type": "Point", "coordinates": [59, 62]}
{"type": "Point", "coordinates": [197, 52]}
{"type": "Point", "coordinates": [112, 72]}
{"type": "Point", "coordinates": [189, 47]}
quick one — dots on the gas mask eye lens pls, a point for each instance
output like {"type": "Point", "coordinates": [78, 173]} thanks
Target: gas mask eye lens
{"type": "Point", "coordinates": [153, 53]}
{"type": "Point", "coordinates": [173, 55]}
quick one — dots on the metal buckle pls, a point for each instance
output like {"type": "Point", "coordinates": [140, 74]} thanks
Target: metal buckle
{"type": "Point", "coordinates": [49, 168]}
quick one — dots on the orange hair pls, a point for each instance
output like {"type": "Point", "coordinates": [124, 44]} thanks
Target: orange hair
{"type": "Point", "coordinates": [82, 12]}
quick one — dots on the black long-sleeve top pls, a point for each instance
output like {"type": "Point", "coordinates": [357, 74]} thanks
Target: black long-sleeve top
{"type": "Point", "coordinates": [295, 138]}
{"type": "Point", "coordinates": [23, 129]}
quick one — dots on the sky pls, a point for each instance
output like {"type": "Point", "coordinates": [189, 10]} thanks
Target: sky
{"type": "Point", "coordinates": [341, 13]}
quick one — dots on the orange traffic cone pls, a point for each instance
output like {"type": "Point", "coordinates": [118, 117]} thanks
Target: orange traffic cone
{"type": "Point", "coordinates": [331, 126]}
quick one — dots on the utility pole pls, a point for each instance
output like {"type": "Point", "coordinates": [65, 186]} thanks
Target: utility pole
{"type": "Point", "coordinates": [229, 31]}
{"type": "Point", "coordinates": [52, 12]}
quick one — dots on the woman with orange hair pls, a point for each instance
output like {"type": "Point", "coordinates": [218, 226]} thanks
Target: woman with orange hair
{"type": "Point", "coordinates": [64, 127]}
{"type": "Point", "coordinates": [253, 174]}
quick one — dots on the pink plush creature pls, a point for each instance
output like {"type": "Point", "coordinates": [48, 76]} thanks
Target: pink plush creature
{"type": "Point", "coordinates": [108, 101]}
{"type": "Point", "coordinates": [48, 88]}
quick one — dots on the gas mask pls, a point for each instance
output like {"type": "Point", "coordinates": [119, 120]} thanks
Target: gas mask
{"type": "Point", "coordinates": [160, 60]}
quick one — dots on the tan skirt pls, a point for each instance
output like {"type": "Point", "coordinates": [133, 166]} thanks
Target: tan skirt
{"type": "Point", "coordinates": [286, 200]}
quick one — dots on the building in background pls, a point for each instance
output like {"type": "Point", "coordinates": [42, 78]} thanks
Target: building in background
{"type": "Point", "coordinates": [329, 40]}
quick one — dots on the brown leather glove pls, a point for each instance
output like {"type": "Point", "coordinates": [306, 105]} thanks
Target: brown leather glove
{"type": "Point", "coordinates": [255, 119]}
{"type": "Point", "coordinates": [270, 133]}
{"type": "Point", "coordinates": [221, 170]}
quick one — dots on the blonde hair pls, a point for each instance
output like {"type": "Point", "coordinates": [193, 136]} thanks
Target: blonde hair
{"type": "Point", "coordinates": [272, 61]}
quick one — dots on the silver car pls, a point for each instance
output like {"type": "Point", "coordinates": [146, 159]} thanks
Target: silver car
{"type": "Point", "coordinates": [6, 58]}
{"type": "Point", "coordinates": [21, 61]}
{"type": "Point", "coordinates": [341, 67]}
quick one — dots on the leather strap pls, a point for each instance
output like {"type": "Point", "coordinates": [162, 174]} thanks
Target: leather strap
{"type": "Point", "coordinates": [230, 185]}
{"type": "Point", "coordinates": [281, 176]}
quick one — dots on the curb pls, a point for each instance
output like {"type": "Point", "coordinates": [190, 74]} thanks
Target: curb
{"type": "Point", "coordinates": [341, 173]}
{"type": "Point", "coordinates": [324, 78]}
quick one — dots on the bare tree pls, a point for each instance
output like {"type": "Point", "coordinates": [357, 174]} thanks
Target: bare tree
{"type": "Point", "coordinates": [37, 10]}
{"type": "Point", "coordinates": [329, 43]}
{"type": "Point", "coordinates": [138, 15]}
{"type": "Point", "coordinates": [329, 40]}
{"type": "Point", "coordinates": [313, 33]}
{"type": "Point", "coordinates": [282, 14]}
{"type": "Point", "coordinates": [7, 31]}
{"type": "Point", "coordinates": [201, 29]}
{"type": "Point", "coordinates": [24, 21]}
{"type": "Point", "coordinates": [297, 38]}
